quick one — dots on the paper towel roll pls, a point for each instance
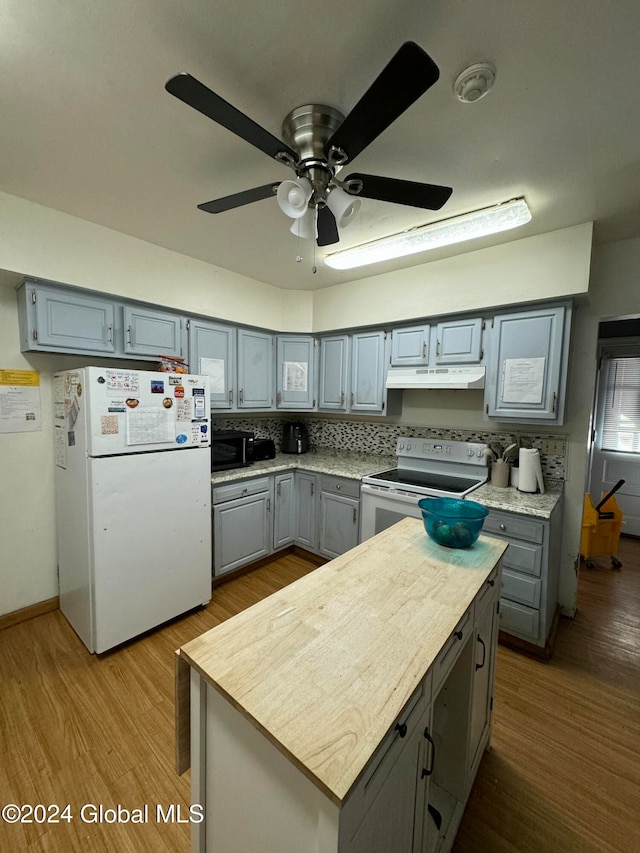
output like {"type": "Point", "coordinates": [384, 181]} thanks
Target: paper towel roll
{"type": "Point", "coordinates": [530, 477]}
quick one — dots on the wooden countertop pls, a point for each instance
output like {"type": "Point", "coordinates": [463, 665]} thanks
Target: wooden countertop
{"type": "Point", "coordinates": [324, 666]}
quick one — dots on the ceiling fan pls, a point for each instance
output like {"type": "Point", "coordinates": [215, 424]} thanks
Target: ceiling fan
{"type": "Point", "coordinates": [319, 141]}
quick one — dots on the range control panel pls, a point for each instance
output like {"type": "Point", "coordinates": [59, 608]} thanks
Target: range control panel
{"type": "Point", "coordinates": [465, 452]}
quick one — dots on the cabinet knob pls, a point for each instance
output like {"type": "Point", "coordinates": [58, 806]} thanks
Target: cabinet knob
{"type": "Point", "coordinates": [458, 634]}
{"type": "Point", "coordinates": [401, 728]}
{"type": "Point", "coordinates": [503, 526]}
{"type": "Point", "coordinates": [491, 582]}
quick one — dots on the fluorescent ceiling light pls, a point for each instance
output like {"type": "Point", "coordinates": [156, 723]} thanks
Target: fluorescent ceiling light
{"type": "Point", "coordinates": [468, 226]}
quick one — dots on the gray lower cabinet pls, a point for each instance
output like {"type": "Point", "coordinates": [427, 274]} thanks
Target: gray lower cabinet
{"type": "Point", "coordinates": [339, 515]}
{"type": "Point", "coordinates": [529, 594]}
{"type": "Point", "coordinates": [284, 506]}
{"type": "Point", "coordinates": [307, 510]}
{"type": "Point", "coordinates": [526, 377]}
{"type": "Point", "coordinates": [241, 524]}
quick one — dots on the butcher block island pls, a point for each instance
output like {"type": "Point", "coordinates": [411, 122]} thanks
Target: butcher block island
{"type": "Point", "coordinates": [348, 712]}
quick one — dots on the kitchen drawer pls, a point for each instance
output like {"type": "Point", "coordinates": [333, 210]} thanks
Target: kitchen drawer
{"type": "Point", "coordinates": [241, 489]}
{"type": "Point", "coordinates": [452, 648]}
{"type": "Point", "coordinates": [514, 526]}
{"type": "Point", "coordinates": [340, 486]}
{"type": "Point", "coordinates": [486, 592]}
{"type": "Point", "coordinates": [523, 558]}
{"type": "Point", "coordinates": [521, 588]}
{"type": "Point", "coordinates": [519, 619]}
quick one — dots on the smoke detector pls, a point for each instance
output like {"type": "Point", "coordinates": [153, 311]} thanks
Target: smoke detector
{"type": "Point", "coordinates": [474, 82]}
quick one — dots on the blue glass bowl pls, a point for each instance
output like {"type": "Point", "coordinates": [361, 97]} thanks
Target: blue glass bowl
{"type": "Point", "coordinates": [452, 522]}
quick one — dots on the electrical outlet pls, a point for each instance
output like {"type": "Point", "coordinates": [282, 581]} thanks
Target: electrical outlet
{"type": "Point", "coordinates": [554, 446]}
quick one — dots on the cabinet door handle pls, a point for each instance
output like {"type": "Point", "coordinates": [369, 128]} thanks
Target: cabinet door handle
{"type": "Point", "coordinates": [110, 339]}
{"type": "Point", "coordinates": [424, 348]}
{"type": "Point", "coordinates": [268, 504]}
{"type": "Point", "coordinates": [553, 405]}
{"type": "Point", "coordinates": [401, 728]}
{"type": "Point", "coordinates": [491, 582]}
{"type": "Point", "coordinates": [130, 336]}
{"type": "Point", "coordinates": [484, 653]}
{"type": "Point", "coordinates": [241, 396]}
{"type": "Point", "coordinates": [355, 515]}
{"type": "Point", "coordinates": [437, 348]}
{"type": "Point", "coordinates": [427, 771]}
{"type": "Point", "coordinates": [231, 398]}
{"type": "Point", "coordinates": [458, 634]}
{"type": "Point", "coordinates": [313, 491]}
{"type": "Point", "coordinates": [342, 399]}
{"type": "Point", "coordinates": [279, 489]}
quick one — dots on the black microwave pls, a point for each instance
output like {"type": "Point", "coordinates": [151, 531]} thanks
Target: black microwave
{"type": "Point", "coordinates": [231, 449]}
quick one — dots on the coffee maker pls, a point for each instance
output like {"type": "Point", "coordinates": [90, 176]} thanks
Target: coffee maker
{"type": "Point", "coordinates": [295, 438]}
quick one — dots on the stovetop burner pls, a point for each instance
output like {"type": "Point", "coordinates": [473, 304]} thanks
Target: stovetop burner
{"type": "Point", "coordinates": [426, 480]}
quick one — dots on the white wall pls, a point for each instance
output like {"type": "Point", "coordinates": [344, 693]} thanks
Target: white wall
{"type": "Point", "coordinates": [42, 242]}
{"type": "Point", "coordinates": [548, 266]}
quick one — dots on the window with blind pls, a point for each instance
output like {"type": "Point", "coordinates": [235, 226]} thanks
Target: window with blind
{"type": "Point", "coordinates": [621, 423]}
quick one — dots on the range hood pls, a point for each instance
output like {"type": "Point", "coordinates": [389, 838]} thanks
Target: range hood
{"type": "Point", "coordinates": [435, 377]}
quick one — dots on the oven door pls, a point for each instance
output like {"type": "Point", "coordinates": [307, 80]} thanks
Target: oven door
{"type": "Point", "coordinates": [380, 507]}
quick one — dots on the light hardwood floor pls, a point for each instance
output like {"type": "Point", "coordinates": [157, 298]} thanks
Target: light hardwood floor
{"type": "Point", "coordinates": [563, 773]}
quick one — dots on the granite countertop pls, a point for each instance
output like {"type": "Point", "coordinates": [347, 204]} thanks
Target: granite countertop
{"type": "Point", "coordinates": [325, 665]}
{"type": "Point", "coordinates": [511, 500]}
{"type": "Point", "coordinates": [339, 463]}
{"type": "Point", "coordinates": [355, 466]}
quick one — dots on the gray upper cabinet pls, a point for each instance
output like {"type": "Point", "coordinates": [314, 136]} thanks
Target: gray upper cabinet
{"type": "Point", "coordinates": [255, 369]}
{"type": "Point", "coordinates": [368, 371]}
{"type": "Point", "coordinates": [53, 319]}
{"type": "Point", "coordinates": [459, 342]}
{"type": "Point", "coordinates": [410, 346]}
{"type": "Point", "coordinates": [526, 380]}
{"type": "Point", "coordinates": [212, 349]}
{"type": "Point", "coordinates": [295, 372]}
{"type": "Point", "coordinates": [150, 332]}
{"type": "Point", "coordinates": [334, 375]}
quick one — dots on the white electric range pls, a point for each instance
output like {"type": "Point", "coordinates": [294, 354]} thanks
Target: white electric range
{"type": "Point", "coordinates": [426, 468]}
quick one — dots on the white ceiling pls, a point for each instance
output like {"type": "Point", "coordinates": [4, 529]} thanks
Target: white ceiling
{"type": "Point", "coordinates": [88, 128]}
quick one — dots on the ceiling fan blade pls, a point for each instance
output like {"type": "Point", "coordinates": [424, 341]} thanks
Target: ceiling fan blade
{"type": "Point", "coordinates": [407, 76]}
{"type": "Point", "coordinates": [219, 205]}
{"type": "Point", "coordinates": [327, 228]}
{"type": "Point", "coordinates": [429, 196]}
{"type": "Point", "coordinates": [196, 95]}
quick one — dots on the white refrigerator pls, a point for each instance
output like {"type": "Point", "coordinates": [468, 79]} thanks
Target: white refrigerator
{"type": "Point", "coordinates": [133, 499]}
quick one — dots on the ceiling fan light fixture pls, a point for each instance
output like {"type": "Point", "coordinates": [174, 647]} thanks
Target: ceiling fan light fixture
{"type": "Point", "coordinates": [294, 196]}
{"type": "Point", "coordinates": [343, 206]}
{"type": "Point", "coordinates": [456, 229]}
{"type": "Point", "coordinates": [305, 226]}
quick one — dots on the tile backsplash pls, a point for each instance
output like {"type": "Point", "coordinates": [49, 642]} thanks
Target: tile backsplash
{"type": "Point", "coordinates": [372, 437]}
